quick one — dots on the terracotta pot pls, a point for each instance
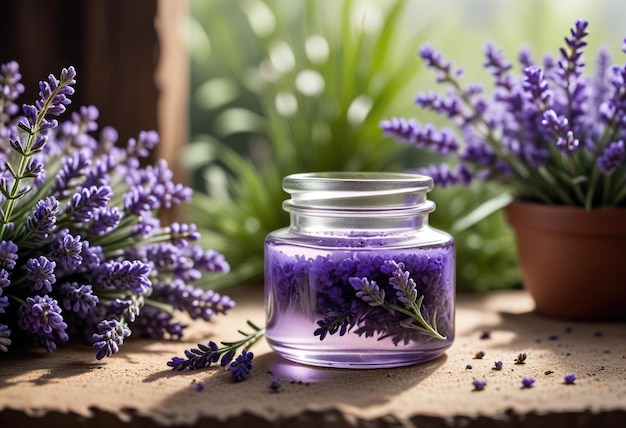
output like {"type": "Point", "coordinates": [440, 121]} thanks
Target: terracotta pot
{"type": "Point", "coordinates": [573, 262]}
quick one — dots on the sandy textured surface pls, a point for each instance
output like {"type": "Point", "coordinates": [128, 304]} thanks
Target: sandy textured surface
{"type": "Point", "coordinates": [71, 388]}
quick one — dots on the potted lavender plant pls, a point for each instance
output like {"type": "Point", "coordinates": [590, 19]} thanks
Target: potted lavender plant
{"type": "Point", "coordinates": [554, 137]}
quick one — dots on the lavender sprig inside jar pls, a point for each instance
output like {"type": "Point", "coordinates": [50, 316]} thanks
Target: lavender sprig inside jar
{"type": "Point", "coordinates": [359, 279]}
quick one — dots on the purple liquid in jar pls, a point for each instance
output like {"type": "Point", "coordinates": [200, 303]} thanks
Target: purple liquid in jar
{"type": "Point", "coordinates": [353, 285]}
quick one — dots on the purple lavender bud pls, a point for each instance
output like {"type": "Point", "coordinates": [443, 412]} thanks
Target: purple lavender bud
{"type": "Point", "coordinates": [334, 322]}
{"type": "Point", "coordinates": [240, 368]}
{"type": "Point", "coordinates": [525, 58]}
{"type": "Point", "coordinates": [87, 117]}
{"type": "Point", "coordinates": [170, 193]}
{"type": "Point", "coordinates": [197, 302]}
{"type": "Point", "coordinates": [569, 379]}
{"type": "Point", "coordinates": [527, 382]}
{"type": "Point", "coordinates": [125, 275]}
{"type": "Point", "coordinates": [567, 144]}
{"type": "Point", "coordinates": [207, 260]}
{"type": "Point", "coordinates": [10, 90]}
{"type": "Point", "coordinates": [138, 200]}
{"type": "Point", "coordinates": [105, 220]}
{"type": "Point", "coordinates": [110, 337]}
{"type": "Point", "coordinates": [8, 255]}
{"type": "Point", "coordinates": [479, 384]}
{"type": "Point", "coordinates": [66, 252]}
{"type": "Point", "coordinates": [4, 303]}
{"type": "Point", "coordinates": [108, 136]}
{"type": "Point", "coordinates": [142, 146]}
{"type": "Point", "coordinates": [5, 338]}
{"type": "Point", "coordinates": [41, 272]}
{"type": "Point", "coordinates": [146, 225]}
{"type": "Point", "coordinates": [442, 141]}
{"type": "Point", "coordinates": [30, 116]}
{"type": "Point", "coordinates": [612, 158]}
{"type": "Point", "coordinates": [444, 177]}
{"type": "Point", "coordinates": [43, 220]}
{"type": "Point", "coordinates": [406, 291]}
{"type": "Point", "coordinates": [536, 87]}
{"type": "Point", "coordinates": [368, 291]}
{"type": "Point", "coordinates": [78, 298]}
{"type": "Point", "coordinates": [52, 101]}
{"type": "Point", "coordinates": [227, 358]}
{"type": "Point", "coordinates": [33, 169]}
{"type": "Point", "coordinates": [178, 363]}
{"type": "Point", "coordinates": [158, 324]}
{"type": "Point", "coordinates": [435, 60]}
{"type": "Point", "coordinates": [498, 365]}
{"type": "Point", "coordinates": [449, 107]}
{"type": "Point", "coordinates": [40, 142]}
{"type": "Point", "coordinates": [196, 358]}
{"type": "Point", "coordinates": [558, 125]}
{"type": "Point", "coordinates": [500, 67]}
{"type": "Point", "coordinates": [182, 233]}
{"type": "Point", "coordinates": [4, 280]}
{"type": "Point", "coordinates": [477, 151]}
{"type": "Point", "coordinates": [571, 63]}
{"type": "Point", "coordinates": [73, 166]}
{"type": "Point", "coordinates": [83, 205]}
{"type": "Point", "coordinates": [41, 316]}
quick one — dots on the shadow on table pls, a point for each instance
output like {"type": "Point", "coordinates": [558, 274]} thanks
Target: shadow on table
{"type": "Point", "coordinates": [300, 385]}
{"type": "Point", "coordinates": [43, 367]}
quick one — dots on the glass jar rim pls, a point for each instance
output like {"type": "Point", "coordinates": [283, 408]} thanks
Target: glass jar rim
{"type": "Point", "coordinates": [358, 192]}
{"type": "Point", "coordinates": [356, 180]}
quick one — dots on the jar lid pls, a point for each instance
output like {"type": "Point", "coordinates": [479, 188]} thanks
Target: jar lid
{"type": "Point", "coordinates": [358, 191]}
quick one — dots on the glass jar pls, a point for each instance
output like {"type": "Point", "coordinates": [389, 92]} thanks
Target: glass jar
{"type": "Point", "coordinates": [359, 279]}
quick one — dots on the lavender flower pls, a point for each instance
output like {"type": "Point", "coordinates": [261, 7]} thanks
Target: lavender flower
{"type": "Point", "coordinates": [612, 159]}
{"type": "Point", "coordinates": [5, 338]}
{"type": "Point", "coordinates": [84, 205]}
{"type": "Point", "coordinates": [41, 317]}
{"type": "Point", "coordinates": [10, 90]}
{"type": "Point", "coordinates": [536, 87]}
{"type": "Point", "coordinates": [83, 233]}
{"type": "Point", "coordinates": [66, 252]}
{"type": "Point", "coordinates": [8, 255]}
{"type": "Point", "coordinates": [41, 224]}
{"type": "Point", "coordinates": [500, 67]}
{"type": "Point", "coordinates": [443, 141]}
{"type": "Point", "coordinates": [334, 322]}
{"type": "Point", "coordinates": [125, 275]}
{"type": "Point", "coordinates": [41, 272]}
{"type": "Point", "coordinates": [551, 105]}
{"type": "Point", "coordinates": [110, 336]}
{"type": "Point", "coordinates": [368, 291]}
{"type": "Point", "coordinates": [198, 303]}
{"type": "Point", "coordinates": [527, 382]}
{"type": "Point", "coordinates": [79, 298]}
{"type": "Point", "coordinates": [446, 177]}
{"type": "Point", "coordinates": [241, 366]}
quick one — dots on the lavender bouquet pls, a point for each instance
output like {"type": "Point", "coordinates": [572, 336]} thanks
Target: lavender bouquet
{"type": "Point", "coordinates": [82, 252]}
{"type": "Point", "coordinates": [552, 135]}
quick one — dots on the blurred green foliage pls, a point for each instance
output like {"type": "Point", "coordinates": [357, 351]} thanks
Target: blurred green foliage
{"type": "Point", "coordinates": [284, 86]}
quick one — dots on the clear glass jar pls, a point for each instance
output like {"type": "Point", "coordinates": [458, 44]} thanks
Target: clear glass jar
{"type": "Point", "coordinates": [359, 279]}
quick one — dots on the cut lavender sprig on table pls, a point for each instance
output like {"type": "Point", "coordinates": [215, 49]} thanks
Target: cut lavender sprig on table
{"type": "Point", "coordinates": [212, 353]}
{"type": "Point", "coordinates": [83, 253]}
